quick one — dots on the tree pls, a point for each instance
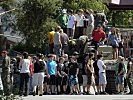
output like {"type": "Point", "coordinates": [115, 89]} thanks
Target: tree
{"type": "Point", "coordinates": [34, 21]}
{"type": "Point", "coordinates": [121, 18]}
{"type": "Point", "coordinates": [97, 5]}
{"type": "Point", "coordinates": [6, 6]}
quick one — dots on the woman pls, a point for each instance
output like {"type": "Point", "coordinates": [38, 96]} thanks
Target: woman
{"type": "Point", "coordinates": [113, 41]}
{"type": "Point", "coordinates": [24, 74]}
{"type": "Point", "coordinates": [38, 77]}
{"type": "Point", "coordinates": [90, 73]}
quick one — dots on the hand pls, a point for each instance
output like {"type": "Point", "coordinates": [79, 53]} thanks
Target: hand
{"type": "Point", "coordinates": [48, 76]}
{"type": "Point", "coordinates": [102, 43]}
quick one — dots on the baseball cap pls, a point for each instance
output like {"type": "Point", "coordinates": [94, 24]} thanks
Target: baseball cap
{"type": "Point", "coordinates": [64, 11]}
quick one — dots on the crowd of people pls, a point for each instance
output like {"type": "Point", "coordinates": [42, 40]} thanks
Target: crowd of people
{"type": "Point", "coordinates": [62, 72]}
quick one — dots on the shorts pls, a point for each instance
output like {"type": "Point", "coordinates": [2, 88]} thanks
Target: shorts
{"type": "Point", "coordinates": [38, 79]}
{"type": "Point", "coordinates": [57, 49]}
{"type": "Point", "coordinates": [52, 80]}
{"type": "Point", "coordinates": [45, 79]}
{"type": "Point", "coordinates": [102, 78]}
{"type": "Point", "coordinates": [65, 80]}
{"type": "Point", "coordinates": [73, 80]}
{"type": "Point", "coordinates": [114, 46]}
{"type": "Point", "coordinates": [119, 80]}
{"type": "Point", "coordinates": [85, 80]}
{"type": "Point", "coordinates": [59, 80]}
{"type": "Point", "coordinates": [96, 44]}
{"type": "Point", "coordinates": [97, 80]}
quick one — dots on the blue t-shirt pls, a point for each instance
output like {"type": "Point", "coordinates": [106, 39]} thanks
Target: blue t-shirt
{"type": "Point", "coordinates": [51, 65]}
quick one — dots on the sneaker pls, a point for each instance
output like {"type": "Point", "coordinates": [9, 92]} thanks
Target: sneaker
{"type": "Point", "coordinates": [25, 95]}
{"type": "Point", "coordinates": [96, 93]}
{"type": "Point", "coordinates": [71, 93]}
{"type": "Point", "coordinates": [122, 92]}
{"type": "Point", "coordinates": [129, 93]}
{"type": "Point", "coordinates": [34, 94]}
{"type": "Point", "coordinates": [45, 93]}
{"type": "Point", "coordinates": [89, 93]}
{"type": "Point", "coordinates": [40, 94]}
{"type": "Point", "coordinates": [105, 93]}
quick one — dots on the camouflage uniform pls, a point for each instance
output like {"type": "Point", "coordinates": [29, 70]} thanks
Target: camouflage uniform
{"type": "Point", "coordinates": [5, 75]}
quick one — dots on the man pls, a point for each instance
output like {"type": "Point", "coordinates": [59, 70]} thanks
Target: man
{"type": "Point", "coordinates": [100, 19]}
{"type": "Point", "coordinates": [98, 36]}
{"type": "Point", "coordinates": [57, 43]}
{"type": "Point", "coordinates": [102, 74]}
{"type": "Point", "coordinates": [64, 42]}
{"type": "Point", "coordinates": [5, 75]}
{"type": "Point", "coordinates": [90, 26]}
{"type": "Point", "coordinates": [79, 23]}
{"type": "Point", "coordinates": [73, 78]}
{"type": "Point", "coordinates": [120, 72]}
{"type": "Point", "coordinates": [51, 41]}
{"type": "Point", "coordinates": [62, 20]}
{"type": "Point", "coordinates": [71, 24]}
{"type": "Point", "coordinates": [51, 66]}
{"type": "Point", "coordinates": [130, 75]}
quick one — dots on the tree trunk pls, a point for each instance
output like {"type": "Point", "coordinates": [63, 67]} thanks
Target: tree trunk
{"type": "Point", "coordinates": [3, 41]}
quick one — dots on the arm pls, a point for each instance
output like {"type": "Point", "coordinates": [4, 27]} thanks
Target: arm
{"type": "Point", "coordinates": [77, 71]}
{"type": "Point", "coordinates": [129, 69]}
{"type": "Point", "coordinates": [104, 67]}
{"type": "Point", "coordinates": [20, 64]}
{"type": "Point", "coordinates": [121, 71]}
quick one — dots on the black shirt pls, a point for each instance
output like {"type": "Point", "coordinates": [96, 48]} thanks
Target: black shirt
{"type": "Point", "coordinates": [120, 68]}
{"type": "Point", "coordinates": [66, 63]}
{"type": "Point", "coordinates": [72, 68]}
{"type": "Point", "coordinates": [60, 67]}
{"type": "Point", "coordinates": [39, 66]}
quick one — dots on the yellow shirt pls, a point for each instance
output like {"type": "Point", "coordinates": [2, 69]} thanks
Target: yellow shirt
{"type": "Point", "coordinates": [51, 37]}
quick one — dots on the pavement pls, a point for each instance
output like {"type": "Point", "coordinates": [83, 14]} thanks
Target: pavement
{"type": "Point", "coordinates": [79, 97]}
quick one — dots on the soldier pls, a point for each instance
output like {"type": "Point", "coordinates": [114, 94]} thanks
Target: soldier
{"type": "Point", "coordinates": [130, 75]}
{"type": "Point", "coordinates": [5, 75]}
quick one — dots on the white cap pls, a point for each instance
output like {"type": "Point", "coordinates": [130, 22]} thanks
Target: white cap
{"type": "Point", "coordinates": [64, 11]}
{"type": "Point", "coordinates": [65, 55]}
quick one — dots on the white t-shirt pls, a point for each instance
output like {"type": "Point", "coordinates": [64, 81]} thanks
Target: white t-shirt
{"type": "Point", "coordinates": [25, 66]}
{"type": "Point", "coordinates": [80, 20]}
{"type": "Point", "coordinates": [91, 20]}
{"type": "Point", "coordinates": [71, 21]}
{"type": "Point", "coordinates": [100, 65]}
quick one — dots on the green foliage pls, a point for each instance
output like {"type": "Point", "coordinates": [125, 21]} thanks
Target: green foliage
{"type": "Point", "coordinates": [34, 21]}
{"type": "Point", "coordinates": [85, 4]}
{"type": "Point", "coordinates": [121, 18]}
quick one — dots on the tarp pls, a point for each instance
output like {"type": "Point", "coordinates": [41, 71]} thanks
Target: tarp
{"type": "Point", "coordinates": [115, 2]}
{"type": "Point", "coordinates": [122, 2]}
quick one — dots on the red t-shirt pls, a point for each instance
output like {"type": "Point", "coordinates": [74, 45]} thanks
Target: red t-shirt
{"type": "Point", "coordinates": [31, 69]}
{"type": "Point", "coordinates": [97, 35]}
